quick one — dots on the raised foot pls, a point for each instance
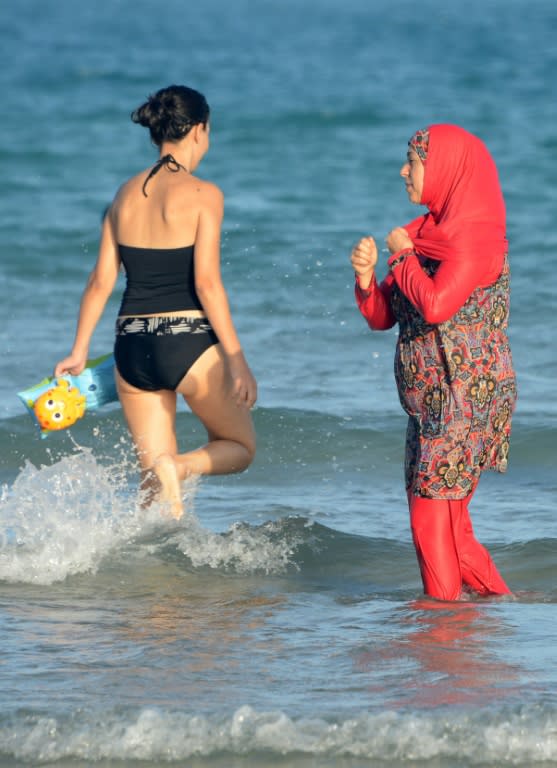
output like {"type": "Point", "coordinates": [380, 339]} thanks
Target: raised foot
{"type": "Point", "coordinates": [170, 494]}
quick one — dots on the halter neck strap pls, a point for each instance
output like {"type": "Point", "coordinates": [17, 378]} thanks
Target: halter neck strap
{"type": "Point", "coordinates": [167, 160]}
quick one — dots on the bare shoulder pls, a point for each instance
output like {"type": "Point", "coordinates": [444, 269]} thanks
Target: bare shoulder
{"type": "Point", "coordinates": [126, 189]}
{"type": "Point", "coordinates": [132, 184]}
{"type": "Point", "coordinates": [209, 194]}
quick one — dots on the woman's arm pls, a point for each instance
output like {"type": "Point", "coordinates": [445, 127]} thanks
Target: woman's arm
{"type": "Point", "coordinates": [99, 287]}
{"type": "Point", "coordinates": [439, 297]}
{"type": "Point", "coordinates": [375, 305]}
{"type": "Point", "coordinates": [212, 294]}
{"type": "Point", "coordinates": [373, 300]}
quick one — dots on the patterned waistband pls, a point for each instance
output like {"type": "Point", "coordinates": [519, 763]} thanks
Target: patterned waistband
{"type": "Point", "coordinates": [162, 326]}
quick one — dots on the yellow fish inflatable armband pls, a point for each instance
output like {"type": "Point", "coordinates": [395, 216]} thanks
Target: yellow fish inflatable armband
{"type": "Point", "coordinates": [60, 406]}
{"type": "Point", "coordinates": [55, 404]}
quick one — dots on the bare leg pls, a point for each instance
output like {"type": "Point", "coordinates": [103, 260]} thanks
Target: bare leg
{"type": "Point", "coordinates": [171, 491]}
{"type": "Point", "coordinates": [151, 421]}
{"type": "Point", "coordinates": [151, 418]}
{"type": "Point", "coordinates": [207, 389]}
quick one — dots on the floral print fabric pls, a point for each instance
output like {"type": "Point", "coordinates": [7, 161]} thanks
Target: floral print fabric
{"type": "Point", "coordinates": [420, 144]}
{"type": "Point", "coordinates": [457, 384]}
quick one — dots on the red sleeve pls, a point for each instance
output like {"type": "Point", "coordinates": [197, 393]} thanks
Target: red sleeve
{"type": "Point", "coordinates": [375, 305]}
{"type": "Point", "coordinates": [439, 297]}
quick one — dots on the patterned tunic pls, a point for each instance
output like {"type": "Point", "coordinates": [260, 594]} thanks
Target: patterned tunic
{"type": "Point", "coordinates": [456, 382]}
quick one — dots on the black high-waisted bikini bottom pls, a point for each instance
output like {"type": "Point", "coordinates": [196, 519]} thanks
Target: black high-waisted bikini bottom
{"type": "Point", "coordinates": [153, 353]}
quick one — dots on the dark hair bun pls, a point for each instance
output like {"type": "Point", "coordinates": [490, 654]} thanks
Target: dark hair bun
{"type": "Point", "coordinates": [170, 113]}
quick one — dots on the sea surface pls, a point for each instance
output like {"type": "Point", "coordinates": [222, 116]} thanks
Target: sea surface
{"type": "Point", "coordinates": [281, 623]}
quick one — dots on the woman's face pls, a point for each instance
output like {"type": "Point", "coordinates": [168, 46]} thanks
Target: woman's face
{"type": "Point", "coordinates": [413, 174]}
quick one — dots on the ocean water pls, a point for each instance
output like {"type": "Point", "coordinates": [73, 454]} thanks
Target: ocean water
{"type": "Point", "coordinates": [281, 623]}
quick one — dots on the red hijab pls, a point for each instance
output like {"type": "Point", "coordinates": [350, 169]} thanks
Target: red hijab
{"type": "Point", "coordinates": [466, 219]}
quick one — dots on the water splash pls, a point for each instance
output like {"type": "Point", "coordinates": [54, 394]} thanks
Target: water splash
{"type": "Point", "coordinates": [67, 518]}
{"type": "Point", "coordinates": [63, 519]}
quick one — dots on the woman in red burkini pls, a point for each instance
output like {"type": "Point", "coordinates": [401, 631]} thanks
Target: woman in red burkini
{"type": "Point", "coordinates": [448, 290]}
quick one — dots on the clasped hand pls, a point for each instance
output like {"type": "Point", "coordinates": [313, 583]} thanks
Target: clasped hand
{"type": "Point", "coordinates": [364, 257]}
{"type": "Point", "coordinates": [364, 254]}
{"type": "Point", "coordinates": [398, 239]}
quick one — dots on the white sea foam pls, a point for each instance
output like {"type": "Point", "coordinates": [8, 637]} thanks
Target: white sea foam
{"type": "Point", "coordinates": [63, 519]}
{"type": "Point", "coordinates": [242, 548]}
{"type": "Point", "coordinates": [66, 518]}
{"type": "Point", "coordinates": [525, 736]}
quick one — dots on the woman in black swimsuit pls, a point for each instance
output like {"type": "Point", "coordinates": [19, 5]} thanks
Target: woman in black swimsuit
{"type": "Point", "coordinates": [174, 332]}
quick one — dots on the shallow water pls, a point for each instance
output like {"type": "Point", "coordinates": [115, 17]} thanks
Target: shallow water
{"type": "Point", "coordinates": [281, 622]}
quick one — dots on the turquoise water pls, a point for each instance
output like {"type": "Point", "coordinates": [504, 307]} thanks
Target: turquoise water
{"type": "Point", "coordinates": [281, 623]}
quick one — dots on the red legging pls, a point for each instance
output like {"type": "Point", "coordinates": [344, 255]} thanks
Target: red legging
{"type": "Point", "coordinates": [448, 553]}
